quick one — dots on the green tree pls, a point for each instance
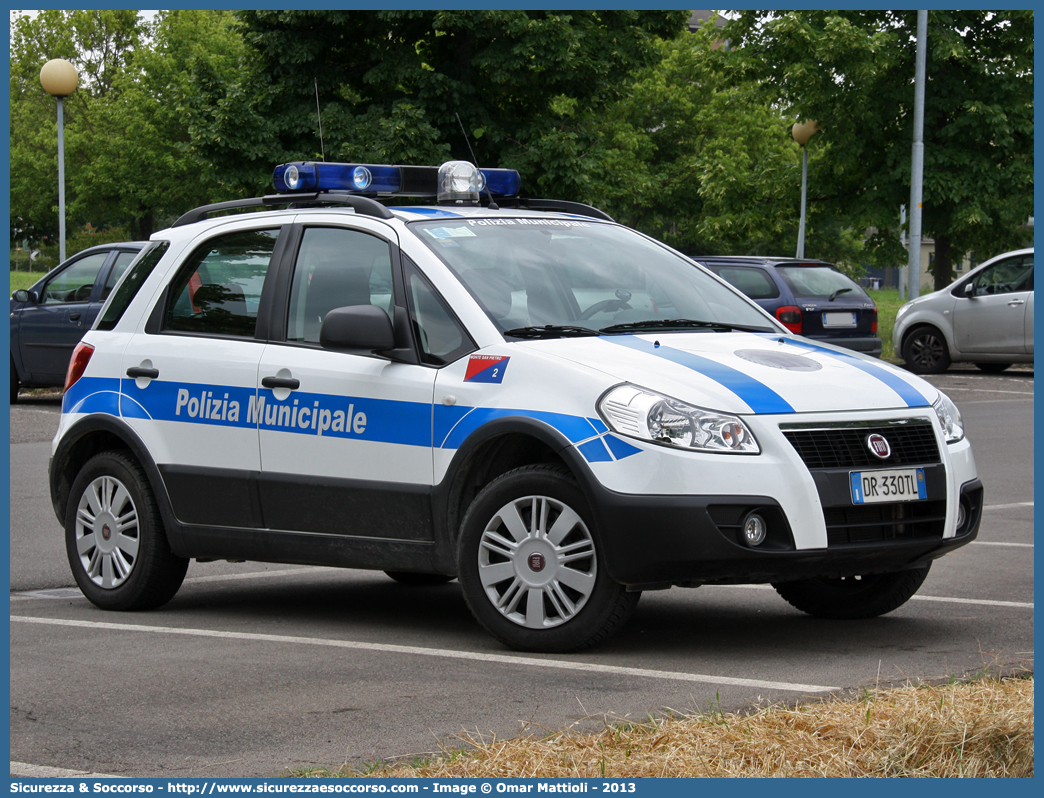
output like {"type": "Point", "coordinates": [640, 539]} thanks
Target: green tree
{"type": "Point", "coordinates": [527, 86]}
{"type": "Point", "coordinates": [98, 44]}
{"type": "Point", "coordinates": [853, 72]}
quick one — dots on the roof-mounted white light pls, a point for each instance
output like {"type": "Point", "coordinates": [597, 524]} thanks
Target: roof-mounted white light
{"type": "Point", "coordinates": [460, 182]}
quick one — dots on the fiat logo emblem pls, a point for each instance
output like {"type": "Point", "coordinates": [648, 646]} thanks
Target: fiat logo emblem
{"type": "Point", "coordinates": [536, 562]}
{"type": "Point", "coordinates": [878, 444]}
{"type": "Point", "coordinates": [106, 532]}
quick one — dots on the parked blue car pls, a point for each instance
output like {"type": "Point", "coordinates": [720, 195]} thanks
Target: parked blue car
{"type": "Point", "coordinates": [810, 297]}
{"type": "Point", "coordinates": [50, 318]}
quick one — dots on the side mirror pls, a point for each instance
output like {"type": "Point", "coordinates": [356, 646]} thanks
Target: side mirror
{"type": "Point", "coordinates": [358, 327]}
{"type": "Point", "coordinates": [969, 289]}
{"type": "Point", "coordinates": [22, 295]}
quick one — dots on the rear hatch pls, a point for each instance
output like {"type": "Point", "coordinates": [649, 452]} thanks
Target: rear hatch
{"type": "Point", "coordinates": [832, 304]}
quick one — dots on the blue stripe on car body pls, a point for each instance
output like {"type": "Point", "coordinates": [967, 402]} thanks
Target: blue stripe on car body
{"type": "Point", "coordinates": [759, 397]}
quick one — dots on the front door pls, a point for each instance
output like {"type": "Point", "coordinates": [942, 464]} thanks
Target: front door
{"type": "Point", "coordinates": [345, 438]}
{"type": "Point", "coordinates": [993, 318]}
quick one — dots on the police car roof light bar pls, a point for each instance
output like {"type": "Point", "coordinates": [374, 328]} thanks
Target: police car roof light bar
{"type": "Point", "coordinates": [381, 180]}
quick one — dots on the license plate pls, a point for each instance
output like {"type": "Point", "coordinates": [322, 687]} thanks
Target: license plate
{"type": "Point", "coordinates": [847, 319]}
{"type": "Point", "coordinates": [900, 485]}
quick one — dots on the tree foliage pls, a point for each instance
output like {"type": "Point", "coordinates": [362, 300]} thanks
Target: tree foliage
{"type": "Point", "coordinates": [853, 72]}
{"type": "Point", "coordinates": [391, 85]}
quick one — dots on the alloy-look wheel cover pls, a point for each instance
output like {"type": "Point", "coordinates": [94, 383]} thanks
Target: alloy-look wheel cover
{"type": "Point", "coordinates": [107, 535]}
{"type": "Point", "coordinates": [927, 350]}
{"type": "Point", "coordinates": [537, 562]}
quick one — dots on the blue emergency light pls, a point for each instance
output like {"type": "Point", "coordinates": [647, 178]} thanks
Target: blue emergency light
{"type": "Point", "coordinates": [454, 181]}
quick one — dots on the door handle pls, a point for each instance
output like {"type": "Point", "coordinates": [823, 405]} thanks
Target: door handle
{"type": "Point", "coordinates": [74, 317]}
{"type": "Point", "coordinates": [138, 371]}
{"type": "Point", "coordinates": [280, 382]}
{"type": "Point", "coordinates": [1012, 303]}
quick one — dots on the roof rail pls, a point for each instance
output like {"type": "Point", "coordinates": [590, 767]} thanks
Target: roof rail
{"type": "Point", "coordinates": [362, 205]}
{"type": "Point", "coordinates": [579, 208]}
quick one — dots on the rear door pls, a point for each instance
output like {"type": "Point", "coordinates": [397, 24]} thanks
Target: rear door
{"type": "Point", "coordinates": [189, 378]}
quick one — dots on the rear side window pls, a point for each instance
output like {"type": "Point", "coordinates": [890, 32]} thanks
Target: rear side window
{"type": "Point", "coordinates": [127, 289]}
{"type": "Point", "coordinates": [218, 289]}
{"type": "Point", "coordinates": [755, 283]}
{"type": "Point", "coordinates": [119, 266]}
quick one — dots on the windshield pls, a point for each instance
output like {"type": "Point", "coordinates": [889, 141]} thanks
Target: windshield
{"type": "Point", "coordinates": [584, 275]}
{"type": "Point", "coordinates": [820, 281]}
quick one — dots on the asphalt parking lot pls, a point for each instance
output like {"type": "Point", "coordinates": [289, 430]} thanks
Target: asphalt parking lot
{"type": "Point", "coordinates": [253, 669]}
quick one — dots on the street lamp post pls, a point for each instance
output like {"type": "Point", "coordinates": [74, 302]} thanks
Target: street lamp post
{"type": "Point", "coordinates": [802, 132]}
{"type": "Point", "coordinates": [59, 79]}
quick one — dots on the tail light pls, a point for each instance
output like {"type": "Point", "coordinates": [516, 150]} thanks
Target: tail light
{"type": "Point", "coordinates": [873, 324]}
{"type": "Point", "coordinates": [81, 356]}
{"type": "Point", "coordinates": [790, 317]}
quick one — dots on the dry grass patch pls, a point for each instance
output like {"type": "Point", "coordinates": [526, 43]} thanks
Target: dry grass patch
{"type": "Point", "coordinates": [978, 729]}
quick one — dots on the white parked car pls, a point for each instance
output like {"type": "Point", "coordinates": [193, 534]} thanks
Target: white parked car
{"type": "Point", "coordinates": [985, 317]}
{"type": "Point", "coordinates": [522, 394]}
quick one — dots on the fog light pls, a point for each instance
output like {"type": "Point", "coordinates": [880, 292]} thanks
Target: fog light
{"type": "Point", "coordinates": [962, 515]}
{"type": "Point", "coordinates": [754, 529]}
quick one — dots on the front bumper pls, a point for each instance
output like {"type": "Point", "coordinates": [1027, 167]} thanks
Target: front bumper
{"type": "Point", "coordinates": [654, 542]}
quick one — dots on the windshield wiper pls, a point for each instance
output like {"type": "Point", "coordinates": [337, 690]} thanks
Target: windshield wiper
{"type": "Point", "coordinates": [839, 291]}
{"type": "Point", "coordinates": [679, 324]}
{"type": "Point", "coordinates": [550, 331]}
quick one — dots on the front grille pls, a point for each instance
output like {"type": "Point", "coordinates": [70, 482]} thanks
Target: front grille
{"type": "Point", "coordinates": [845, 447]}
{"type": "Point", "coordinates": [867, 523]}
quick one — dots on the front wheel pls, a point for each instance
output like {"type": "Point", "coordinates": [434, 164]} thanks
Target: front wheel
{"type": "Point", "coordinates": [853, 597]}
{"type": "Point", "coordinates": [115, 540]}
{"type": "Point", "coordinates": [14, 382]}
{"type": "Point", "coordinates": [530, 564]}
{"type": "Point", "coordinates": [925, 351]}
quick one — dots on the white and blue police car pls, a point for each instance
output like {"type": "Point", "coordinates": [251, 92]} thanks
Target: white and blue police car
{"type": "Point", "coordinates": [520, 393]}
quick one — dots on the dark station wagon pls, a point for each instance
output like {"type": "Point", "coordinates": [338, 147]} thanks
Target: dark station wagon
{"type": "Point", "coordinates": [810, 297]}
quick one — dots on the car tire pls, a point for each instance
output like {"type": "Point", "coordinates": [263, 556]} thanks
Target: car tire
{"type": "Point", "coordinates": [993, 368]}
{"type": "Point", "coordinates": [115, 540]}
{"type": "Point", "coordinates": [853, 597]}
{"type": "Point", "coordinates": [531, 566]}
{"type": "Point", "coordinates": [419, 580]}
{"type": "Point", "coordinates": [925, 351]}
{"type": "Point", "coordinates": [14, 383]}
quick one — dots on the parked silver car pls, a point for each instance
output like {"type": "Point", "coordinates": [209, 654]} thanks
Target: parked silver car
{"type": "Point", "coordinates": [985, 317]}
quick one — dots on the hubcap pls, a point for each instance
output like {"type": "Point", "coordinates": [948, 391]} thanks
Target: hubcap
{"type": "Point", "coordinates": [927, 350]}
{"type": "Point", "coordinates": [107, 532]}
{"type": "Point", "coordinates": [537, 562]}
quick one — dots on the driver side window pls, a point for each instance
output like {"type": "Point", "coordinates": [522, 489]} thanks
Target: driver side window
{"type": "Point", "coordinates": [1006, 277]}
{"type": "Point", "coordinates": [76, 283]}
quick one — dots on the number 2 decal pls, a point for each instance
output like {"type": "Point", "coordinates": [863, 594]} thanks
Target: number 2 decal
{"type": "Point", "coordinates": [486, 368]}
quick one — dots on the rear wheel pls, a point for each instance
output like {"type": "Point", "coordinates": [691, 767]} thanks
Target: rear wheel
{"type": "Point", "coordinates": [115, 540]}
{"type": "Point", "coordinates": [530, 563]}
{"type": "Point", "coordinates": [418, 580]}
{"type": "Point", "coordinates": [925, 351]}
{"type": "Point", "coordinates": [993, 368]}
{"type": "Point", "coordinates": [853, 597]}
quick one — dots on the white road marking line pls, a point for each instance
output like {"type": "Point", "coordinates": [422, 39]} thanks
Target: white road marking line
{"type": "Point", "coordinates": [1001, 543]}
{"type": "Point", "coordinates": [989, 390]}
{"type": "Point", "coordinates": [1007, 506]}
{"type": "Point", "coordinates": [984, 602]}
{"type": "Point", "coordinates": [502, 659]}
{"type": "Point", "coordinates": [26, 771]}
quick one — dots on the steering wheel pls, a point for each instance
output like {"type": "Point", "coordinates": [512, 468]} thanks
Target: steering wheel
{"type": "Point", "coordinates": [623, 296]}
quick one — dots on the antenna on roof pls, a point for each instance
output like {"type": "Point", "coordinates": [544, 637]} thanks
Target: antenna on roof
{"type": "Point", "coordinates": [492, 205]}
{"type": "Point", "coordinates": [319, 114]}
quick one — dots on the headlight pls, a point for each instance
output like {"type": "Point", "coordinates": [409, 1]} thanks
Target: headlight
{"type": "Point", "coordinates": [649, 416]}
{"type": "Point", "coordinates": [902, 310]}
{"type": "Point", "coordinates": [949, 417]}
